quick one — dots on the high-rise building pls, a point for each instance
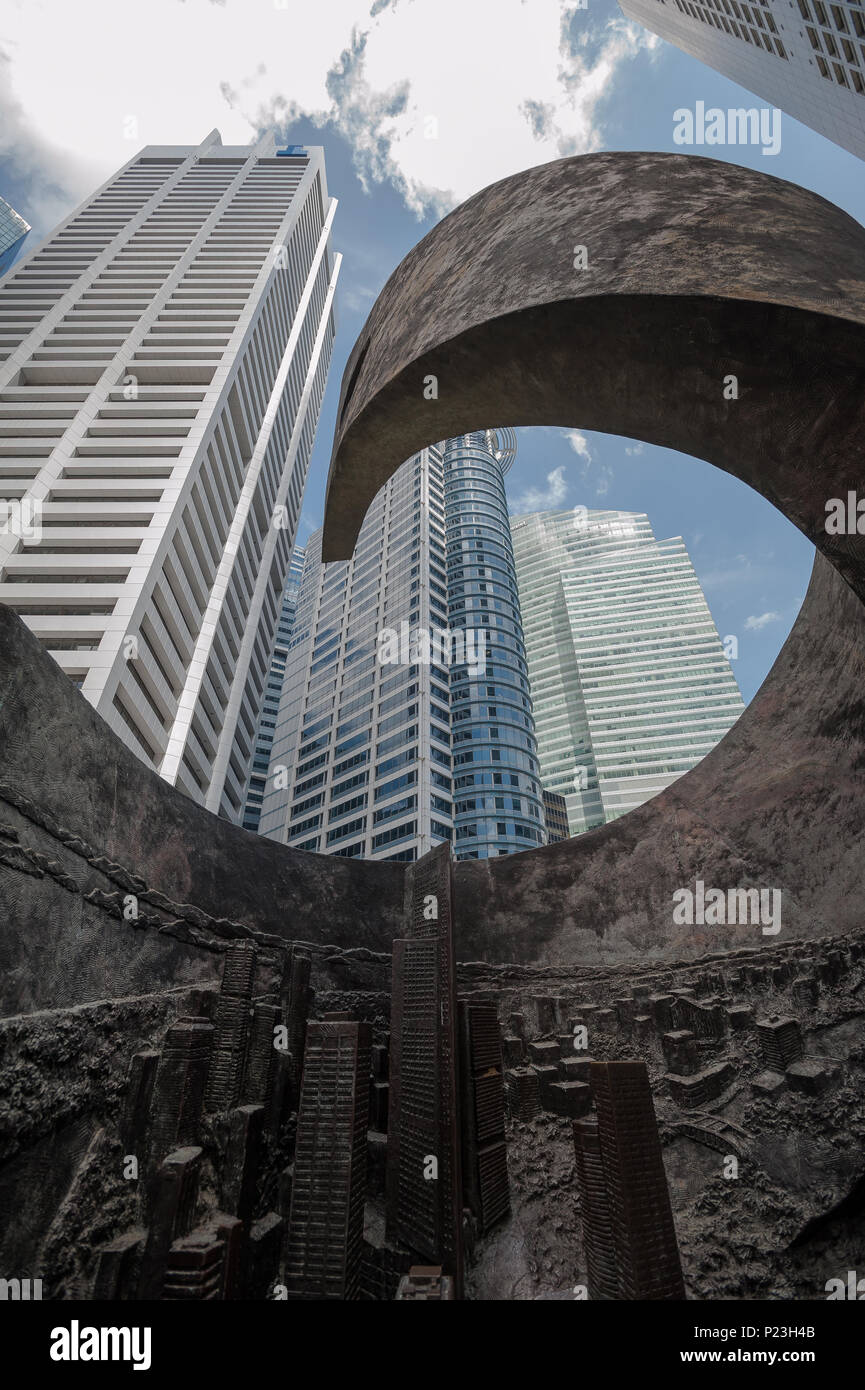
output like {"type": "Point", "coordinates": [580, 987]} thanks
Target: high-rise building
{"type": "Point", "coordinates": [556, 817]}
{"type": "Point", "coordinates": [233, 1011]}
{"type": "Point", "coordinates": [630, 682]}
{"type": "Point", "coordinates": [272, 694]}
{"type": "Point", "coordinates": [805, 57]}
{"type": "Point", "coordinates": [165, 355]}
{"type": "Point", "coordinates": [594, 1212]}
{"type": "Point", "coordinates": [361, 763]}
{"type": "Point", "coordinates": [13, 231]}
{"type": "Point", "coordinates": [422, 621]}
{"type": "Point", "coordinates": [482, 1113]}
{"type": "Point", "coordinates": [424, 1196]}
{"type": "Point", "coordinates": [497, 792]}
{"type": "Point", "coordinates": [624, 1189]}
{"type": "Point", "coordinates": [178, 1097]}
{"type": "Point", "coordinates": [297, 997]}
{"type": "Point", "coordinates": [325, 1231]}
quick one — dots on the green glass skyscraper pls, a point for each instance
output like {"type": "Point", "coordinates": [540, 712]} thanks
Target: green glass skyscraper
{"type": "Point", "coordinates": [630, 682]}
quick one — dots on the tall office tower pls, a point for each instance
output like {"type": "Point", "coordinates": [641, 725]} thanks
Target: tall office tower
{"type": "Point", "coordinates": [497, 791]}
{"type": "Point", "coordinates": [13, 231]}
{"type": "Point", "coordinates": [272, 694]}
{"type": "Point", "coordinates": [233, 1012]}
{"type": "Point", "coordinates": [594, 1211]}
{"type": "Point", "coordinates": [630, 682]}
{"type": "Point", "coordinates": [556, 817]}
{"type": "Point", "coordinates": [260, 1052]}
{"type": "Point", "coordinates": [780, 1042]}
{"type": "Point", "coordinates": [296, 997]}
{"type": "Point", "coordinates": [166, 351]}
{"type": "Point", "coordinates": [644, 1247]}
{"type": "Point", "coordinates": [482, 1114]}
{"type": "Point", "coordinates": [804, 56]}
{"type": "Point", "coordinates": [361, 760]}
{"type": "Point", "coordinates": [325, 1229]}
{"type": "Point", "coordinates": [424, 1179]}
{"type": "Point", "coordinates": [178, 1097]}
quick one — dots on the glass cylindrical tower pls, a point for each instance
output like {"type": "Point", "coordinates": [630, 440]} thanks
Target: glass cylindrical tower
{"type": "Point", "coordinates": [498, 805]}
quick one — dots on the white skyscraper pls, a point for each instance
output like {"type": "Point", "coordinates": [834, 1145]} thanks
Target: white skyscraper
{"type": "Point", "coordinates": [163, 356]}
{"type": "Point", "coordinates": [630, 683]}
{"type": "Point", "coordinates": [361, 763]}
{"type": "Point", "coordinates": [272, 695]}
{"type": "Point", "coordinates": [804, 56]}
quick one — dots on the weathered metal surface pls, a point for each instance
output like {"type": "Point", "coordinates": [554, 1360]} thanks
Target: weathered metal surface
{"type": "Point", "coordinates": [698, 271]}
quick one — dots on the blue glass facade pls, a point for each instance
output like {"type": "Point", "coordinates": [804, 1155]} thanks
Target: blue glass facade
{"type": "Point", "coordinates": [13, 230]}
{"type": "Point", "coordinates": [498, 805]}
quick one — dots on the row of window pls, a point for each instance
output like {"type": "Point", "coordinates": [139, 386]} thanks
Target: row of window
{"type": "Point", "coordinates": [744, 31]}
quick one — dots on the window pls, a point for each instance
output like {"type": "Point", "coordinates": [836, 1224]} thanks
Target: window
{"type": "Point", "coordinates": [353, 804]}
{"type": "Point", "coordinates": [311, 824]}
{"type": "Point", "coordinates": [408, 779]}
{"type": "Point", "coordinates": [359, 780]}
{"type": "Point", "coordinates": [398, 808]}
{"type": "Point", "coordinates": [396, 832]}
{"type": "Point", "coordinates": [391, 764]}
{"type": "Point", "coordinates": [342, 832]}
{"type": "Point", "coordinates": [351, 743]}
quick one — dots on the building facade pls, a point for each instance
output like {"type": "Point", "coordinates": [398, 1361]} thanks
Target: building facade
{"type": "Point", "coordinates": [361, 762]}
{"type": "Point", "coordinates": [13, 232]}
{"type": "Point", "coordinates": [324, 1247]}
{"type": "Point", "coordinates": [164, 355]}
{"type": "Point", "coordinates": [272, 694]}
{"type": "Point", "coordinates": [556, 817]}
{"type": "Point", "coordinates": [630, 682]}
{"type": "Point", "coordinates": [804, 56]}
{"type": "Point", "coordinates": [633, 1191]}
{"type": "Point", "coordinates": [498, 805]}
{"type": "Point", "coordinates": [388, 743]}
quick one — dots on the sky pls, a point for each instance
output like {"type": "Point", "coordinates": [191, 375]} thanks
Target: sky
{"type": "Point", "coordinates": [418, 104]}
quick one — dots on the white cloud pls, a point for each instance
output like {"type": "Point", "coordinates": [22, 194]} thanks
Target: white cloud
{"type": "Point", "coordinates": [602, 484]}
{"type": "Point", "coordinates": [602, 472]}
{"type": "Point", "coordinates": [634, 449]}
{"type": "Point", "coordinates": [538, 500]}
{"type": "Point", "coordinates": [753, 624]}
{"type": "Point", "coordinates": [579, 444]}
{"type": "Point", "coordinates": [358, 298]}
{"type": "Point", "coordinates": [56, 180]}
{"type": "Point", "coordinates": [508, 84]}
